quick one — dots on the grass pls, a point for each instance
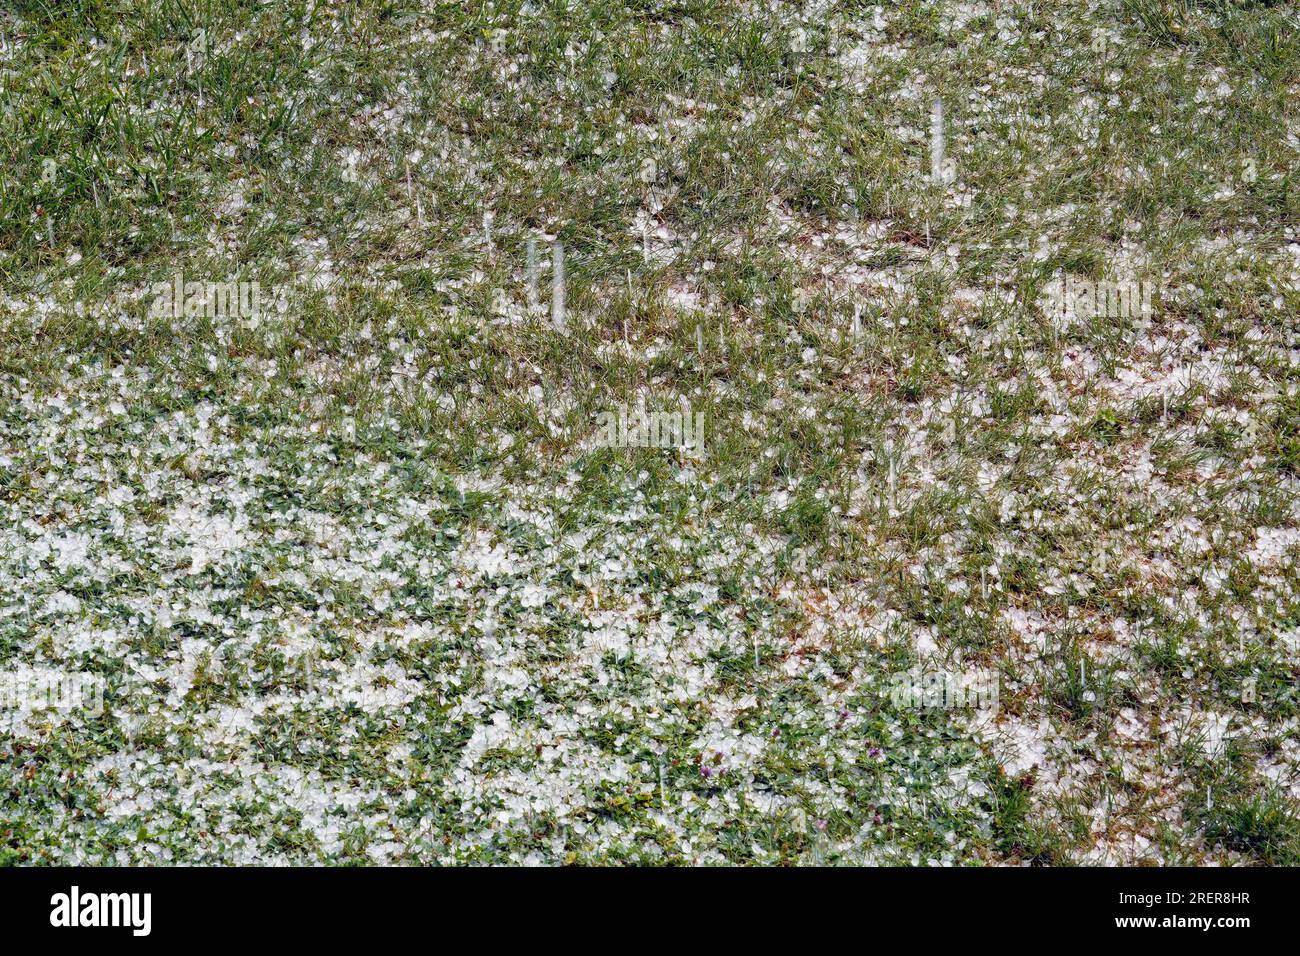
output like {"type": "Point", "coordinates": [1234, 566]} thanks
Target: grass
{"type": "Point", "coordinates": [361, 586]}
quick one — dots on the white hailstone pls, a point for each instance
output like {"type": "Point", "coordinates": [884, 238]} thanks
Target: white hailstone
{"type": "Point", "coordinates": [533, 595]}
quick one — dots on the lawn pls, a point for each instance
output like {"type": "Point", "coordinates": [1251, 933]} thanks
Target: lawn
{"type": "Point", "coordinates": [655, 432]}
